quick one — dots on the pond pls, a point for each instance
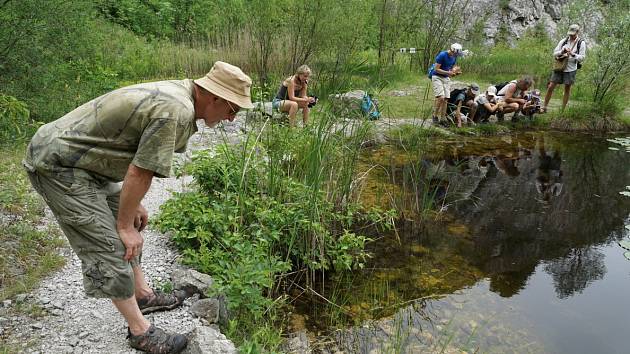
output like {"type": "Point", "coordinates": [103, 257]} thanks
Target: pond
{"type": "Point", "coordinates": [523, 255]}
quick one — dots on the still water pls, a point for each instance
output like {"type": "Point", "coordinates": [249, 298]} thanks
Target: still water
{"type": "Point", "coordinates": [522, 257]}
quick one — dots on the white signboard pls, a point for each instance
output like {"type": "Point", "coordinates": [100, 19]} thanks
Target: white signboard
{"type": "Point", "coordinates": [412, 50]}
{"type": "Point", "coordinates": [403, 50]}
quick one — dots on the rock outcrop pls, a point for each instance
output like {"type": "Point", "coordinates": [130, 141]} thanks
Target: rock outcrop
{"type": "Point", "coordinates": [516, 17]}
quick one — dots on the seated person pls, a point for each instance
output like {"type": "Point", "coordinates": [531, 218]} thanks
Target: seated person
{"type": "Point", "coordinates": [292, 95]}
{"type": "Point", "coordinates": [487, 104]}
{"type": "Point", "coordinates": [463, 101]}
{"type": "Point", "coordinates": [513, 94]}
{"type": "Point", "coordinates": [532, 105]}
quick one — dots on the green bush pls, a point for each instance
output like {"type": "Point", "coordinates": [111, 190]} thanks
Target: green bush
{"type": "Point", "coordinates": [610, 77]}
{"type": "Point", "coordinates": [260, 211]}
{"type": "Point", "coordinates": [14, 120]}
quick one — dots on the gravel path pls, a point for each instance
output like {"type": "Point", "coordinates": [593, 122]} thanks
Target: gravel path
{"type": "Point", "coordinates": [73, 323]}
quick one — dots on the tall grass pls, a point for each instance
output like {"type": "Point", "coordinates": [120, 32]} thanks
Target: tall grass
{"type": "Point", "coordinates": [531, 56]}
{"type": "Point", "coordinates": [281, 202]}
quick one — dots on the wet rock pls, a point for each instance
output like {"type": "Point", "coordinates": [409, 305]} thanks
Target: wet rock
{"type": "Point", "coordinates": [207, 309]}
{"type": "Point", "coordinates": [206, 340]}
{"type": "Point", "coordinates": [297, 343]}
{"type": "Point", "coordinates": [191, 281]}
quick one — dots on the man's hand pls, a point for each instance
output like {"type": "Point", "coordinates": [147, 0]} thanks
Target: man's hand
{"type": "Point", "coordinates": [132, 216]}
{"type": "Point", "coordinates": [141, 218]}
{"type": "Point", "coordinates": [133, 241]}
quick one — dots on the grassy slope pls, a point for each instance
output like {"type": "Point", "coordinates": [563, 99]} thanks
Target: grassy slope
{"type": "Point", "coordinates": [28, 250]}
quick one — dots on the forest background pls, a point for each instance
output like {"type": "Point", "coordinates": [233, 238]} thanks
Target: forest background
{"type": "Point", "coordinates": [56, 55]}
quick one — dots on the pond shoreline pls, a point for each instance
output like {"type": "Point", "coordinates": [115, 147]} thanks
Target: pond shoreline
{"type": "Point", "coordinates": [66, 310]}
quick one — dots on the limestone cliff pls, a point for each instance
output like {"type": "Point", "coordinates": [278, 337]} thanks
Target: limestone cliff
{"type": "Point", "coordinates": [512, 18]}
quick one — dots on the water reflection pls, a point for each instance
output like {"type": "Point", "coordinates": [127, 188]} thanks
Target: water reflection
{"type": "Point", "coordinates": [549, 174]}
{"type": "Point", "coordinates": [536, 211]}
{"type": "Point", "coordinates": [513, 208]}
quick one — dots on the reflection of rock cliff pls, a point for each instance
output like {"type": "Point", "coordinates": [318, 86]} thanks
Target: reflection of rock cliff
{"type": "Point", "coordinates": [515, 228]}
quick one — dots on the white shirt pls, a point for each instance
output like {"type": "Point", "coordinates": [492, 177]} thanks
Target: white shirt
{"type": "Point", "coordinates": [580, 53]}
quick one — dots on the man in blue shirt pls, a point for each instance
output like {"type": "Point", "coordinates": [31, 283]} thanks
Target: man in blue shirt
{"type": "Point", "coordinates": [444, 68]}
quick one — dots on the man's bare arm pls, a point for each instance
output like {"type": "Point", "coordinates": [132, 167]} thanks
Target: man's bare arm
{"type": "Point", "coordinates": [509, 93]}
{"type": "Point", "coordinates": [135, 185]}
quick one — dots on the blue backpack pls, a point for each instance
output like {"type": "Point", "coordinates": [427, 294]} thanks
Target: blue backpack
{"type": "Point", "coordinates": [369, 107]}
{"type": "Point", "coordinates": [431, 71]}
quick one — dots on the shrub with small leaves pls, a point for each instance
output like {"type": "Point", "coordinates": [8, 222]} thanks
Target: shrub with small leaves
{"type": "Point", "coordinates": [14, 119]}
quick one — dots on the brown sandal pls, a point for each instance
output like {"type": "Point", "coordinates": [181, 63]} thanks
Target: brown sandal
{"type": "Point", "coordinates": [161, 301]}
{"type": "Point", "coordinates": [157, 341]}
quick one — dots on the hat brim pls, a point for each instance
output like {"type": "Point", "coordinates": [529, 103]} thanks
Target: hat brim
{"type": "Point", "coordinates": [218, 90]}
{"type": "Point", "coordinates": [571, 33]}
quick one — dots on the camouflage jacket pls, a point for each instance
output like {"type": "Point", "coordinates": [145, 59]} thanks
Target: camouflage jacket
{"type": "Point", "coordinates": [141, 124]}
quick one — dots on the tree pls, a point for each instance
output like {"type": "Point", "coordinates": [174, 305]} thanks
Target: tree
{"type": "Point", "coordinates": [611, 61]}
{"type": "Point", "coordinates": [264, 23]}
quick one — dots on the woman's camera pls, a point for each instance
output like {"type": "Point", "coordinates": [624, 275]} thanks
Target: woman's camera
{"type": "Point", "coordinates": [314, 102]}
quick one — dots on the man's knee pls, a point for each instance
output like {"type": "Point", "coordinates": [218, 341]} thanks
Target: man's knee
{"type": "Point", "coordinates": [104, 277]}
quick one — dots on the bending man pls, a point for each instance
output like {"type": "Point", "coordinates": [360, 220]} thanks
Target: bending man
{"type": "Point", "coordinates": [127, 135]}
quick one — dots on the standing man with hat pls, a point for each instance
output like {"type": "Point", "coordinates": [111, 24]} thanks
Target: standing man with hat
{"type": "Point", "coordinates": [128, 135]}
{"type": "Point", "coordinates": [573, 48]}
{"type": "Point", "coordinates": [441, 73]}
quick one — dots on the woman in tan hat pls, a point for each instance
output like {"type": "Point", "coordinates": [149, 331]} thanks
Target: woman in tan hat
{"type": "Point", "coordinates": [292, 95]}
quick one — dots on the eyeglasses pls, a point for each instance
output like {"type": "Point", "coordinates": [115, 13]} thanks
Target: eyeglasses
{"type": "Point", "coordinates": [233, 110]}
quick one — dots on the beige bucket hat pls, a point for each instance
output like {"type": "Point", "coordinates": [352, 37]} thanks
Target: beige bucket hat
{"type": "Point", "coordinates": [228, 82]}
{"type": "Point", "coordinates": [573, 30]}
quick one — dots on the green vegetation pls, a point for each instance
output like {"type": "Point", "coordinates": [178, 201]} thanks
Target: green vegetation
{"type": "Point", "coordinates": [14, 123]}
{"type": "Point", "coordinates": [283, 202]}
{"type": "Point", "coordinates": [28, 250]}
{"type": "Point", "coordinates": [130, 41]}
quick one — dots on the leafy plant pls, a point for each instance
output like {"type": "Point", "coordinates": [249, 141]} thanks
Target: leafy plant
{"type": "Point", "coordinates": [610, 78]}
{"type": "Point", "coordinates": [14, 119]}
{"type": "Point", "coordinates": [275, 204]}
